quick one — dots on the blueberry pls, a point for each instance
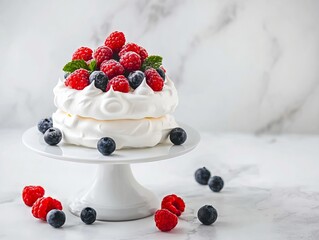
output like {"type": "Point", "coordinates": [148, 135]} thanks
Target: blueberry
{"type": "Point", "coordinates": [207, 215]}
{"type": "Point", "coordinates": [100, 80]}
{"type": "Point", "coordinates": [216, 184]}
{"type": "Point", "coordinates": [56, 218]}
{"type": "Point", "coordinates": [106, 146]}
{"type": "Point", "coordinates": [53, 136]}
{"type": "Point", "coordinates": [178, 136]}
{"type": "Point", "coordinates": [161, 72]}
{"type": "Point", "coordinates": [135, 78]}
{"type": "Point", "coordinates": [66, 75]}
{"type": "Point", "coordinates": [88, 215]}
{"type": "Point", "coordinates": [44, 124]}
{"type": "Point", "coordinates": [202, 176]}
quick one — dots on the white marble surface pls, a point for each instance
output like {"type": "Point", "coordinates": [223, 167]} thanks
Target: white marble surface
{"type": "Point", "coordinates": [271, 190]}
{"type": "Point", "coordinates": [239, 65]}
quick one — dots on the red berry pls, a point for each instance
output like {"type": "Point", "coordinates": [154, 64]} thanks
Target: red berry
{"type": "Point", "coordinates": [83, 53]}
{"type": "Point", "coordinates": [31, 193]}
{"type": "Point", "coordinates": [112, 68]}
{"type": "Point", "coordinates": [44, 205]}
{"type": "Point", "coordinates": [119, 83]}
{"type": "Point", "coordinates": [174, 204]}
{"type": "Point", "coordinates": [143, 53]}
{"type": "Point", "coordinates": [165, 220]}
{"type": "Point", "coordinates": [154, 80]}
{"type": "Point", "coordinates": [115, 41]}
{"type": "Point", "coordinates": [102, 53]}
{"type": "Point", "coordinates": [129, 47]}
{"type": "Point", "coordinates": [79, 79]}
{"type": "Point", "coordinates": [131, 61]}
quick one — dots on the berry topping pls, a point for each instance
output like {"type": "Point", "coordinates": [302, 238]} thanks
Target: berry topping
{"type": "Point", "coordinates": [135, 78]}
{"type": "Point", "coordinates": [82, 53]}
{"type": "Point", "coordinates": [202, 176]}
{"type": "Point", "coordinates": [112, 68]}
{"type": "Point", "coordinates": [106, 146]}
{"type": "Point", "coordinates": [173, 204]}
{"type": "Point", "coordinates": [178, 136]}
{"type": "Point", "coordinates": [165, 220]}
{"type": "Point", "coordinates": [66, 75]}
{"type": "Point", "coordinates": [131, 61]}
{"type": "Point", "coordinates": [102, 53]}
{"type": "Point", "coordinates": [130, 47]}
{"type": "Point", "coordinates": [53, 136]}
{"type": "Point", "coordinates": [161, 72]}
{"type": "Point", "coordinates": [88, 215]}
{"type": "Point", "coordinates": [119, 83]}
{"type": "Point", "coordinates": [31, 193]}
{"type": "Point", "coordinates": [216, 183]}
{"type": "Point", "coordinates": [79, 79]}
{"type": "Point", "coordinates": [44, 124]}
{"type": "Point", "coordinates": [143, 54]}
{"type": "Point", "coordinates": [207, 215]}
{"type": "Point", "coordinates": [115, 41]}
{"type": "Point", "coordinates": [154, 80]}
{"type": "Point", "coordinates": [56, 218]}
{"type": "Point", "coordinates": [44, 205]}
{"type": "Point", "coordinates": [100, 80]}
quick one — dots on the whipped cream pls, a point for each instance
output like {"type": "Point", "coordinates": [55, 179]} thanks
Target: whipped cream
{"type": "Point", "coordinates": [93, 103]}
{"type": "Point", "coordinates": [146, 132]}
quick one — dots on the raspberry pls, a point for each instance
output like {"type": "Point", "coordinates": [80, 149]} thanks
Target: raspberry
{"type": "Point", "coordinates": [112, 68]}
{"type": "Point", "coordinates": [44, 205]}
{"type": "Point", "coordinates": [31, 193]}
{"type": "Point", "coordinates": [102, 53]}
{"type": "Point", "coordinates": [131, 61]}
{"type": "Point", "coordinates": [119, 83]}
{"type": "Point", "coordinates": [132, 47]}
{"type": "Point", "coordinates": [79, 79]}
{"type": "Point", "coordinates": [174, 204]}
{"type": "Point", "coordinates": [115, 41]}
{"type": "Point", "coordinates": [143, 53]}
{"type": "Point", "coordinates": [165, 220]}
{"type": "Point", "coordinates": [82, 53]}
{"type": "Point", "coordinates": [153, 79]}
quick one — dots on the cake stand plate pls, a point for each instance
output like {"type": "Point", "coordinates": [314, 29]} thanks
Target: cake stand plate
{"type": "Point", "coordinates": [115, 194]}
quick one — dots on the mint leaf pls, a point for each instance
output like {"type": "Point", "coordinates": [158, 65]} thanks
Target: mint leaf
{"type": "Point", "coordinates": [153, 61]}
{"type": "Point", "coordinates": [92, 65]}
{"type": "Point", "coordinates": [74, 65]}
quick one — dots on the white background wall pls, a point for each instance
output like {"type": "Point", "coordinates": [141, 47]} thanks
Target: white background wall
{"type": "Point", "coordinates": [240, 65]}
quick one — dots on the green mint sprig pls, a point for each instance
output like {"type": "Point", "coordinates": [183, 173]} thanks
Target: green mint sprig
{"type": "Point", "coordinates": [153, 61]}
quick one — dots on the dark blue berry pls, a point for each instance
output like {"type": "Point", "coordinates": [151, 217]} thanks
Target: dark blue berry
{"type": "Point", "coordinates": [56, 218]}
{"type": "Point", "coordinates": [207, 215]}
{"type": "Point", "coordinates": [100, 80]}
{"type": "Point", "coordinates": [161, 72]}
{"type": "Point", "coordinates": [106, 146]}
{"type": "Point", "coordinates": [135, 78]}
{"type": "Point", "coordinates": [53, 136]}
{"type": "Point", "coordinates": [88, 215]}
{"type": "Point", "coordinates": [216, 184]}
{"type": "Point", "coordinates": [66, 75]}
{"type": "Point", "coordinates": [44, 124]}
{"type": "Point", "coordinates": [202, 176]}
{"type": "Point", "coordinates": [178, 136]}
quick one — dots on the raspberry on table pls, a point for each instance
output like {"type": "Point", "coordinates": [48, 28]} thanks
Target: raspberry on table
{"type": "Point", "coordinates": [31, 193]}
{"type": "Point", "coordinates": [115, 41]}
{"type": "Point", "coordinates": [165, 220]}
{"type": "Point", "coordinates": [153, 79]}
{"type": "Point", "coordinates": [79, 79]}
{"type": "Point", "coordinates": [119, 83]}
{"type": "Point", "coordinates": [82, 53]}
{"type": "Point", "coordinates": [112, 68]}
{"type": "Point", "coordinates": [131, 61]}
{"type": "Point", "coordinates": [44, 205]}
{"type": "Point", "coordinates": [102, 53]}
{"type": "Point", "coordinates": [174, 204]}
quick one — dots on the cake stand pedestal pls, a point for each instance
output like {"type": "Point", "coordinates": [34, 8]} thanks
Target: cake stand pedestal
{"type": "Point", "coordinates": [114, 194]}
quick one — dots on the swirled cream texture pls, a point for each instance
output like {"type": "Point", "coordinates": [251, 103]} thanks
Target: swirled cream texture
{"type": "Point", "coordinates": [141, 103]}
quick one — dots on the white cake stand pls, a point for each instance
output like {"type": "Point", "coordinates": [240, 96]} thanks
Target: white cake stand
{"type": "Point", "coordinates": [114, 194]}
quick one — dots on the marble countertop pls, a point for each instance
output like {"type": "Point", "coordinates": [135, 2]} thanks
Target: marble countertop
{"type": "Point", "coordinates": [271, 190]}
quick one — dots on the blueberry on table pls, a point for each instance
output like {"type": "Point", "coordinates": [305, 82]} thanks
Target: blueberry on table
{"type": "Point", "coordinates": [202, 176]}
{"type": "Point", "coordinates": [178, 136]}
{"type": "Point", "coordinates": [135, 78]}
{"type": "Point", "coordinates": [207, 215]}
{"type": "Point", "coordinates": [88, 215]}
{"type": "Point", "coordinates": [44, 124]}
{"type": "Point", "coordinates": [53, 136]}
{"type": "Point", "coordinates": [100, 80]}
{"type": "Point", "coordinates": [106, 146]}
{"type": "Point", "coordinates": [216, 183]}
{"type": "Point", "coordinates": [56, 218]}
